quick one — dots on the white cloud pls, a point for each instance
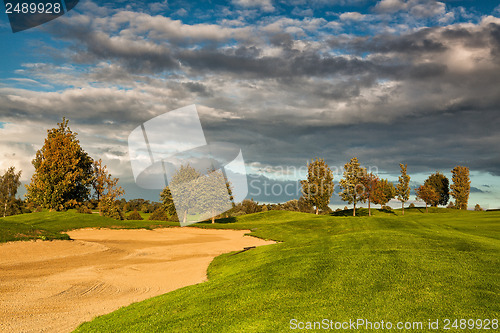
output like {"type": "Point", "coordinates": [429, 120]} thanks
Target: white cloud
{"type": "Point", "coordinates": [264, 5]}
{"type": "Point", "coordinates": [390, 6]}
{"type": "Point", "coordinates": [416, 8]}
{"type": "Point", "coordinates": [352, 16]}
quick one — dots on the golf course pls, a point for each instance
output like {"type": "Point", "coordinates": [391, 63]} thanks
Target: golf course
{"type": "Point", "coordinates": [441, 266]}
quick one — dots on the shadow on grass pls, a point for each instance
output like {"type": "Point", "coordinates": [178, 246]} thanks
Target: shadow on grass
{"type": "Point", "coordinates": [361, 212]}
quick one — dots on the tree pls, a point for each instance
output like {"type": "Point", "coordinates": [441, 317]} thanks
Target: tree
{"type": "Point", "coordinates": [100, 176]}
{"type": "Point", "coordinates": [214, 192]}
{"type": "Point", "coordinates": [403, 188]}
{"type": "Point", "coordinates": [168, 202]}
{"type": "Point", "coordinates": [460, 189]}
{"type": "Point", "coordinates": [9, 183]}
{"type": "Point", "coordinates": [63, 171]}
{"type": "Point", "coordinates": [108, 205]}
{"type": "Point", "coordinates": [182, 187]}
{"type": "Point", "coordinates": [373, 191]}
{"type": "Point", "coordinates": [317, 189]}
{"type": "Point", "coordinates": [353, 190]}
{"type": "Point", "coordinates": [441, 185]}
{"type": "Point", "coordinates": [428, 194]}
{"type": "Point", "coordinates": [386, 193]}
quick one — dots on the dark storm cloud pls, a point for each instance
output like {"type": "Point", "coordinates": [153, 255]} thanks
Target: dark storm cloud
{"type": "Point", "coordinates": [476, 190]}
{"type": "Point", "coordinates": [426, 97]}
{"type": "Point", "coordinates": [417, 42]}
{"type": "Point", "coordinates": [436, 142]}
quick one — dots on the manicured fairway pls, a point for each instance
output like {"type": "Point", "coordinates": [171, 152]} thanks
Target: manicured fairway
{"type": "Point", "coordinates": [437, 266]}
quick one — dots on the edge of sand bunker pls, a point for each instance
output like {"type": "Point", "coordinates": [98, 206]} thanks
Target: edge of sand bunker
{"type": "Point", "coordinates": [55, 286]}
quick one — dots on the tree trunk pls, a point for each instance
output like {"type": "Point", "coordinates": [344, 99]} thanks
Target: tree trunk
{"type": "Point", "coordinates": [213, 219]}
{"type": "Point", "coordinates": [354, 210]}
{"type": "Point", "coordinates": [403, 206]}
{"type": "Point", "coordinates": [5, 209]}
{"type": "Point", "coordinates": [317, 210]}
{"type": "Point", "coordinates": [185, 216]}
{"type": "Point", "coordinates": [426, 207]}
{"type": "Point", "coordinates": [369, 209]}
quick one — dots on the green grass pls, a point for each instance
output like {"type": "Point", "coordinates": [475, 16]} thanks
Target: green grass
{"type": "Point", "coordinates": [439, 265]}
{"type": "Point", "coordinates": [445, 264]}
{"type": "Point", "coordinates": [51, 225]}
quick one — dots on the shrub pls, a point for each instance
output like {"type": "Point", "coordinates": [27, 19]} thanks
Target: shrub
{"type": "Point", "coordinates": [109, 208]}
{"type": "Point", "coordinates": [250, 206]}
{"type": "Point", "coordinates": [387, 207]}
{"type": "Point", "coordinates": [326, 211]}
{"type": "Point", "coordinates": [478, 208]}
{"type": "Point", "coordinates": [159, 215]}
{"type": "Point", "coordinates": [412, 205]}
{"type": "Point", "coordinates": [134, 216]}
{"type": "Point", "coordinates": [84, 210]}
{"type": "Point", "coordinates": [451, 205]}
{"type": "Point", "coordinates": [147, 208]}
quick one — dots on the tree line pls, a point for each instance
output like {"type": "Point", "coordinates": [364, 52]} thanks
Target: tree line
{"type": "Point", "coordinates": [67, 177]}
{"type": "Point", "coordinates": [359, 186]}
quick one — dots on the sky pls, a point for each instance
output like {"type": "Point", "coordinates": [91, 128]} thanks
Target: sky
{"type": "Point", "coordinates": [390, 81]}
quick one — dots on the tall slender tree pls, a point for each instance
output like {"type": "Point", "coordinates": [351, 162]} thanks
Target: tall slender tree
{"type": "Point", "coordinates": [100, 177]}
{"type": "Point", "coordinates": [403, 188]}
{"type": "Point", "coordinates": [460, 189]}
{"type": "Point", "coordinates": [353, 190]}
{"type": "Point", "coordinates": [372, 189]}
{"type": "Point", "coordinates": [440, 183]}
{"type": "Point", "coordinates": [63, 170]}
{"type": "Point", "coordinates": [9, 183]}
{"type": "Point", "coordinates": [110, 192]}
{"type": "Point", "coordinates": [317, 189]}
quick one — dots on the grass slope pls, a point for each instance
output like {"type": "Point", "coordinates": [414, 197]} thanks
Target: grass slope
{"type": "Point", "coordinates": [51, 225]}
{"type": "Point", "coordinates": [387, 267]}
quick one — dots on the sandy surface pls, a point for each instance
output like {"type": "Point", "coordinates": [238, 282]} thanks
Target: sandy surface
{"type": "Point", "coordinates": [55, 286]}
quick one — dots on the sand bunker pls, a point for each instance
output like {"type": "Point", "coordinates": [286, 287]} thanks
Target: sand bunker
{"type": "Point", "coordinates": [55, 286]}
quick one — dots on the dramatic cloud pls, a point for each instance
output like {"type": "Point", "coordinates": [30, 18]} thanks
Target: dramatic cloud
{"type": "Point", "coordinates": [383, 84]}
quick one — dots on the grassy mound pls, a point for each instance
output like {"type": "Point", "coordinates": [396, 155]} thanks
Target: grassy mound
{"type": "Point", "coordinates": [387, 267]}
{"type": "Point", "coordinates": [51, 225]}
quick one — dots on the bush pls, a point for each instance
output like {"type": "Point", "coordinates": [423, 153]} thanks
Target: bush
{"type": "Point", "coordinates": [109, 208]}
{"type": "Point", "coordinates": [387, 207]}
{"type": "Point", "coordinates": [159, 215]}
{"type": "Point", "coordinates": [451, 205]}
{"type": "Point", "coordinates": [147, 208]}
{"type": "Point", "coordinates": [250, 206]}
{"type": "Point", "coordinates": [84, 210]}
{"type": "Point", "coordinates": [412, 205]}
{"type": "Point", "coordinates": [478, 208]}
{"type": "Point", "coordinates": [134, 216]}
